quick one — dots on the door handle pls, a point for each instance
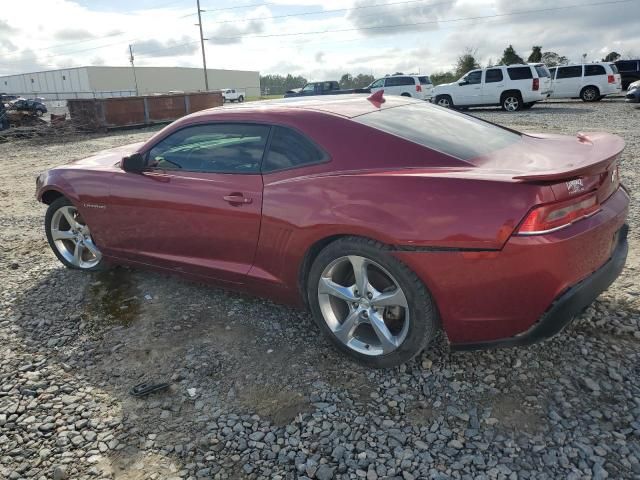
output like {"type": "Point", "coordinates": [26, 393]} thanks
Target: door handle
{"type": "Point", "coordinates": [237, 199]}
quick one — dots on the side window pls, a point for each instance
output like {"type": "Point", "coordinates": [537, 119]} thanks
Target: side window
{"type": "Point", "coordinates": [552, 72]}
{"type": "Point", "coordinates": [216, 148]}
{"type": "Point", "coordinates": [290, 149]}
{"type": "Point", "coordinates": [570, 72]}
{"type": "Point", "coordinates": [519, 73]}
{"type": "Point", "coordinates": [627, 66]}
{"type": "Point", "coordinates": [591, 70]}
{"type": "Point", "coordinates": [493, 75]}
{"type": "Point", "coordinates": [378, 83]}
{"type": "Point", "coordinates": [474, 77]}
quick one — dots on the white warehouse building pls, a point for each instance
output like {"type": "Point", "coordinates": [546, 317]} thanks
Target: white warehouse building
{"type": "Point", "coordinates": [102, 82]}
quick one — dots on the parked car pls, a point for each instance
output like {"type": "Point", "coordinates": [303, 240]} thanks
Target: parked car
{"type": "Point", "coordinates": [416, 86]}
{"type": "Point", "coordinates": [633, 92]}
{"type": "Point", "coordinates": [512, 87]}
{"type": "Point", "coordinates": [233, 95]}
{"type": "Point", "coordinates": [591, 82]}
{"type": "Point", "coordinates": [629, 71]}
{"type": "Point", "coordinates": [330, 87]}
{"type": "Point", "coordinates": [32, 106]}
{"type": "Point", "coordinates": [388, 219]}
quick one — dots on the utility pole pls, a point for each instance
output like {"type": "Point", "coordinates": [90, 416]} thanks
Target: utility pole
{"type": "Point", "coordinates": [135, 79]}
{"type": "Point", "coordinates": [204, 56]}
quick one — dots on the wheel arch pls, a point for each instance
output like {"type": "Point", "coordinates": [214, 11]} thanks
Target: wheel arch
{"type": "Point", "coordinates": [51, 195]}
{"type": "Point", "coordinates": [510, 91]}
{"type": "Point", "coordinates": [589, 85]}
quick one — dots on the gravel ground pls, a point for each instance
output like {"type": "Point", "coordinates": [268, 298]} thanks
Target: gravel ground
{"type": "Point", "coordinates": [256, 394]}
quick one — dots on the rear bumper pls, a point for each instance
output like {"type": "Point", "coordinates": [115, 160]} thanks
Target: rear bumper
{"type": "Point", "coordinates": [566, 306]}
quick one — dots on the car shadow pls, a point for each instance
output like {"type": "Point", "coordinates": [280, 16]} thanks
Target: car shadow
{"type": "Point", "coordinates": [230, 358]}
{"type": "Point", "coordinates": [540, 109]}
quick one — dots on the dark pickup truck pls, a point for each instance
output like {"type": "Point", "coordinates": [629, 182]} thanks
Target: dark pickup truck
{"type": "Point", "coordinates": [322, 88]}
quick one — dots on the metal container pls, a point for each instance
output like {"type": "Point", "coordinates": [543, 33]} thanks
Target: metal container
{"type": "Point", "coordinates": [119, 112]}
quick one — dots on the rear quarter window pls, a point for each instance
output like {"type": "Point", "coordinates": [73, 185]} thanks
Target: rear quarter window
{"type": "Point", "coordinates": [614, 69]}
{"type": "Point", "coordinates": [455, 134]}
{"type": "Point", "coordinates": [399, 81]}
{"type": "Point", "coordinates": [542, 71]}
{"type": "Point", "coordinates": [424, 80]}
{"type": "Point", "coordinates": [519, 73]}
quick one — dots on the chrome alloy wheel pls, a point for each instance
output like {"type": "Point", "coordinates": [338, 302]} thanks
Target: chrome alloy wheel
{"type": "Point", "coordinates": [511, 103]}
{"type": "Point", "coordinates": [444, 102]}
{"type": "Point", "coordinates": [589, 94]}
{"type": "Point", "coordinates": [72, 238]}
{"type": "Point", "coordinates": [363, 305]}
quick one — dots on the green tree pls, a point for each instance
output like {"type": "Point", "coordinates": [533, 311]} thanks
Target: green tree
{"type": "Point", "coordinates": [536, 54]}
{"type": "Point", "coordinates": [510, 57]}
{"type": "Point", "coordinates": [362, 80]}
{"type": "Point", "coordinates": [552, 59]}
{"type": "Point", "coordinates": [346, 81]}
{"type": "Point", "coordinates": [278, 84]}
{"type": "Point", "coordinates": [611, 57]}
{"type": "Point", "coordinates": [439, 78]}
{"type": "Point", "coordinates": [466, 62]}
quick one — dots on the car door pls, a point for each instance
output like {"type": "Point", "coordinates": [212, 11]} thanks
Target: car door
{"type": "Point", "coordinates": [493, 86]}
{"type": "Point", "coordinates": [568, 82]}
{"type": "Point", "coordinates": [196, 208]}
{"type": "Point", "coordinates": [470, 89]}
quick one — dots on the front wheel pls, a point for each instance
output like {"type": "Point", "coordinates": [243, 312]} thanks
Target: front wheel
{"type": "Point", "coordinates": [70, 238]}
{"type": "Point", "coordinates": [444, 101]}
{"type": "Point", "coordinates": [369, 304]}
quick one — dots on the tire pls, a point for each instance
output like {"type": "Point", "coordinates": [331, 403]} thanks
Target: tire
{"type": "Point", "coordinates": [444, 101]}
{"type": "Point", "coordinates": [39, 113]}
{"type": "Point", "coordinates": [408, 326]}
{"type": "Point", "coordinates": [63, 243]}
{"type": "Point", "coordinates": [240, 99]}
{"type": "Point", "coordinates": [511, 101]}
{"type": "Point", "coordinates": [405, 94]}
{"type": "Point", "coordinates": [589, 94]}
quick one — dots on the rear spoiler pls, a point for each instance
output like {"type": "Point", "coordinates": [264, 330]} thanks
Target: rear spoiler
{"type": "Point", "coordinates": [597, 161]}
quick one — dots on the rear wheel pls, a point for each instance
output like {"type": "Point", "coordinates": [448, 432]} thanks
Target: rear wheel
{"type": "Point", "coordinates": [240, 99]}
{"type": "Point", "coordinates": [444, 101]}
{"type": "Point", "coordinates": [590, 94]}
{"type": "Point", "coordinates": [405, 94]}
{"type": "Point", "coordinates": [511, 102]}
{"type": "Point", "coordinates": [70, 238]}
{"type": "Point", "coordinates": [369, 304]}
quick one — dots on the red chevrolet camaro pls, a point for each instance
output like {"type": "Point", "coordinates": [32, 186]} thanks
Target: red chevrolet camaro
{"type": "Point", "coordinates": [388, 218]}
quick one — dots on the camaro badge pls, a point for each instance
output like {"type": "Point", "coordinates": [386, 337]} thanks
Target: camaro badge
{"type": "Point", "coordinates": [575, 186]}
{"type": "Point", "coordinates": [94, 205]}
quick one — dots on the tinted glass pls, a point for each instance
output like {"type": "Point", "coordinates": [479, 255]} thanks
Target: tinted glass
{"type": "Point", "coordinates": [378, 83]}
{"type": "Point", "coordinates": [570, 72]}
{"type": "Point", "coordinates": [493, 75]}
{"type": "Point", "coordinates": [552, 72]}
{"type": "Point", "coordinates": [591, 70]}
{"type": "Point", "coordinates": [399, 81]}
{"type": "Point", "coordinates": [290, 149]}
{"type": "Point", "coordinates": [309, 87]}
{"type": "Point", "coordinates": [473, 77]}
{"type": "Point", "coordinates": [519, 73]}
{"type": "Point", "coordinates": [424, 80]}
{"type": "Point", "coordinates": [452, 133]}
{"type": "Point", "coordinates": [627, 66]}
{"type": "Point", "coordinates": [614, 69]}
{"type": "Point", "coordinates": [219, 148]}
{"type": "Point", "coordinates": [542, 71]}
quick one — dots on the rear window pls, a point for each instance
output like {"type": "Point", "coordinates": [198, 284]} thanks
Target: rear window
{"type": "Point", "coordinates": [399, 81]}
{"type": "Point", "coordinates": [591, 70]}
{"type": "Point", "coordinates": [542, 71]}
{"type": "Point", "coordinates": [424, 80]}
{"type": "Point", "coordinates": [452, 133]}
{"type": "Point", "coordinates": [519, 73]}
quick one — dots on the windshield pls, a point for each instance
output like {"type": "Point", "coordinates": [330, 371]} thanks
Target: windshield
{"type": "Point", "coordinates": [452, 133]}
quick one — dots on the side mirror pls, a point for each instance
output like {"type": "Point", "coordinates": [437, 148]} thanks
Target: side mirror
{"type": "Point", "coordinates": [462, 83]}
{"type": "Point", "coordinates": [134, 163]}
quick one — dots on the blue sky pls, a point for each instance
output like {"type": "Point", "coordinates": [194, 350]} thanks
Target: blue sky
{"type": "Point", "coordinates": [317, 39]}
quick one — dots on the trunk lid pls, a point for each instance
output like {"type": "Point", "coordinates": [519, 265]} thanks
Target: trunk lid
{"type": "Point", "coordinates": [571, 166]}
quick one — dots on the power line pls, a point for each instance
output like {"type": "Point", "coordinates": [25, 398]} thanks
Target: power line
{"type": "Point", "coordinates": [430, 22]}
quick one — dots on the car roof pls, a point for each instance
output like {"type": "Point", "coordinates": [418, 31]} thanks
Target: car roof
{"type": "Point", "coordinates": [344, 105]}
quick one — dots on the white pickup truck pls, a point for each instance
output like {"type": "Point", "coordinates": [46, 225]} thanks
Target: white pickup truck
{"type": "Point", "coordinates": [233, 95]}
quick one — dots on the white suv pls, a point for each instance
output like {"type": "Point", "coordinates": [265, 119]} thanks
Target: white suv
{"type": "Point", "coordinates": [512, 87]}
{"type": "Point", "coordinates": [590, 82]}
{"type": "Point", "coordinates": [232, 95]}
{"type": "Point", "coordinates": [416, 86]}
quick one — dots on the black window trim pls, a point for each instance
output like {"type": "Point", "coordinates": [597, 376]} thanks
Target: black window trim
{"type": "Point", "coordinates": [326, 158]}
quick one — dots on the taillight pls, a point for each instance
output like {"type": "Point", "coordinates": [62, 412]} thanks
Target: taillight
{"type": "Point", "coordinates": [611, 79]}
{"type": "Point", "coordinates": [554, 216]}
{"type": "Point", "coordinates": [536, 84]}
{"type": "Point", "coordinates": [418, 88]}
